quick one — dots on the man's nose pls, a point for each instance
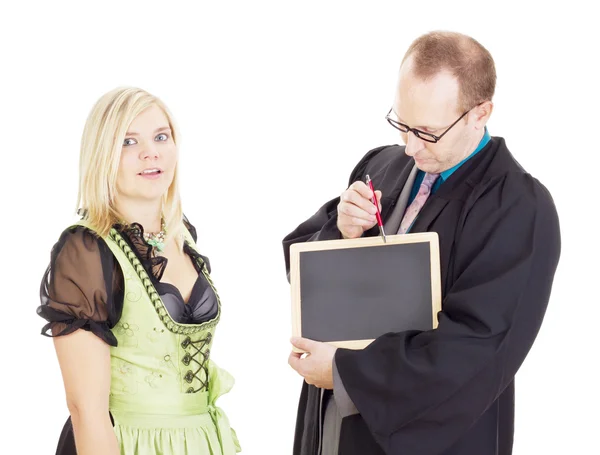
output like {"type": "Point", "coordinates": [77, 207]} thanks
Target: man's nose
{"type": "Point", "coordinates": [413, 144]}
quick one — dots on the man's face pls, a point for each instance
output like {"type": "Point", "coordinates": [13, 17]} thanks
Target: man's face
{"type": "Point", "coordinates": [432, 106]}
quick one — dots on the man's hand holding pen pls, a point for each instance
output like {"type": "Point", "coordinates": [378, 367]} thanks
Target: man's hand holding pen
{"type": "Point", "coordinates": [356, 211]}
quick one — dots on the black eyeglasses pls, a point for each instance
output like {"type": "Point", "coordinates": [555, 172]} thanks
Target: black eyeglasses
{"type": "Point", "coordinates": [422, 134]}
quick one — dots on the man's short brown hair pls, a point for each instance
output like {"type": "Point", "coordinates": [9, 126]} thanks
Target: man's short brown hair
{"type": "Point", "coordinates": [463, 57]}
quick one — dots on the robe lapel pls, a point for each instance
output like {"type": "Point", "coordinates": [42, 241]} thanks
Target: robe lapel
{"type": "Point", "coordinates": [428, 214]}
{"type": "Point", "coordinates": [402, 169]}
{"type": "Point", "coordinates": [456, 187]}
{"type": "Point", "coordinates": [392, 221]}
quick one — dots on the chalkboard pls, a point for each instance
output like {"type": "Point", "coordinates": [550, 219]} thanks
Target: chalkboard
{"type": "Point", "coordinates": [349, 292]}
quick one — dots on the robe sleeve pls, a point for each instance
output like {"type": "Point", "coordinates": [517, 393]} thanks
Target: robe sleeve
{"type": "Point", "coordinates": [77, 287]}
{"type": "Point", "coordinates": [323, 224]}
{"type": "Point", "coordinates": [343, 401]}
{"type": "Point", "coordinates": [439, 382]}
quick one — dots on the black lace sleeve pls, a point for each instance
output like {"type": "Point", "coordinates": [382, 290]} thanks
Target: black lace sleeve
{"type": "Point", "coordinates": [82, 287]}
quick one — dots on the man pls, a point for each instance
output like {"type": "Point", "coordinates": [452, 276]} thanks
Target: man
{"type": "Point", "coordinates": [450, 390]}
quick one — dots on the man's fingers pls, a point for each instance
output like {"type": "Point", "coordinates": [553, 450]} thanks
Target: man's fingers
{"type": "Point", "coordinates": [294, 360]}
{"type": "Point", "coordinates": [298, 362]}
{"type": "Point", "coordinates": [353, 211]}
{"type": "Point", "coordinates": [362, 188]}
{"type": "Point", "coordinates": [303, 344]}
{"type": "Point", "coordinates": [351, 196]}
{"type": "Point", "coordinates": [378, 194]}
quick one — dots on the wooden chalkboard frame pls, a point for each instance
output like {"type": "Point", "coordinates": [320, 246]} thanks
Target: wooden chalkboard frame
{"type": "Point", "coordinates": [368, 242]}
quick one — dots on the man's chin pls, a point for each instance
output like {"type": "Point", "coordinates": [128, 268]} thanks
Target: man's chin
{"type": "Point", "coordinates": [426, 166]}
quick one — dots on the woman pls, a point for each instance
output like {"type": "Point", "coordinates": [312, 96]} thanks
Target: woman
{"type": "Point", "coordinates": [129, 299]}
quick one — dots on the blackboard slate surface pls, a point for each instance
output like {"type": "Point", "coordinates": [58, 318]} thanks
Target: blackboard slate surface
{"type": "Point", "coordinates": [370, 284]}
{"type": "Point", "coordinates": [356, 290]}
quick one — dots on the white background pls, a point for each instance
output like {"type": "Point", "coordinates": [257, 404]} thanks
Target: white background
{"type": "Point", "coordinates": [276, 102]}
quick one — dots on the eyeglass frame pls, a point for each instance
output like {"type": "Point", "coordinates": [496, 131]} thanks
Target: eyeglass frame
{"type": "Point", "coordinates": [434, 139]}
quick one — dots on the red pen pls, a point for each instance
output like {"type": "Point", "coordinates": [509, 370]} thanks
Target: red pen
{"type": "Point", "coordinates": [378, 215]}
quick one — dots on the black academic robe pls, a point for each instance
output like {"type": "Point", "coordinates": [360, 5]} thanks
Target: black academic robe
{"type": "Point", "coordinates": [448, 391]}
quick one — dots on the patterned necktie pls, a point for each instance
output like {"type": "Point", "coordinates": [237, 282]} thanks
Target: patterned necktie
{"type": "Point", "coordinates": [415, 207]}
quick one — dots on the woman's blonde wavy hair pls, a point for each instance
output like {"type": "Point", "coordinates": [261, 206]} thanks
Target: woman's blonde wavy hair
{"type": "Point", "coordinates": [100, 155]}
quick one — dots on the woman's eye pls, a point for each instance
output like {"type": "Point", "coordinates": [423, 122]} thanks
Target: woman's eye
{"type": "Point", "coordinates": [162, 137]}
{"type": "Point", "coordinates": [129, 141]}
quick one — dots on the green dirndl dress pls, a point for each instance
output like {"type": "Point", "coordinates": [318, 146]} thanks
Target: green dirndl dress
{"type": "Point", "coordinates": [164, 386]}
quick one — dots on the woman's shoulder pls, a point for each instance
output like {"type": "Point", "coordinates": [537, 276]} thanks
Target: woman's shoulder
{"type": "Point", "coordinates": [79, 240]}
{"type": "Point", "coordinates": [79, 288]}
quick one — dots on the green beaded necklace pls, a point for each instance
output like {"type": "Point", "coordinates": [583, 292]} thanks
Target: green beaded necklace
{"type": "Point", "coordinates": [157, 240]}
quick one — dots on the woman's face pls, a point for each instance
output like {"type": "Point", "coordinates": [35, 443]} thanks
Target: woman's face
{"type": "Point", "coordinates": [148, 158]}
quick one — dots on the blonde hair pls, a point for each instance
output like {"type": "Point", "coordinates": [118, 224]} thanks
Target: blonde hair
{"type": "Point", "coordinates": [100, 155]}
